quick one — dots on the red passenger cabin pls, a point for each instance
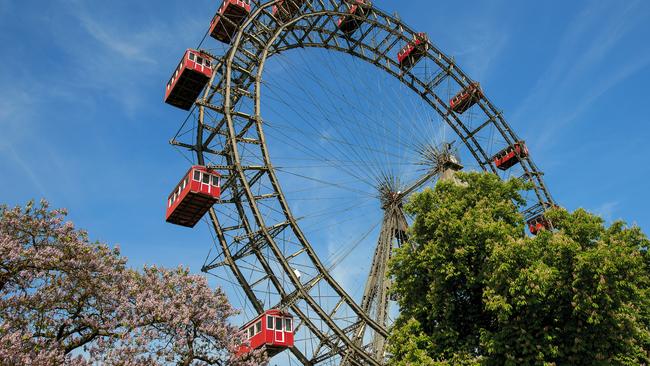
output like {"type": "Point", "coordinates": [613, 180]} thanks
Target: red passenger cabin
{"type": "Point", "coordinates": [190, 77]}
{"type": "Point", "coordinates": [538, 223]}
{"type": "Point", "coordinates": [466, 98]}
{"type": "Point", "coordinates": [350, 22]}
{"type": "Point", "coordinates": [272, 330]}
{"type": "Point", "coordinates": [413, 51]}
{"type": "Point", "coordinates": [199, 189]}
{"type": "Point", "coordinates": [285, 10]}
{"type": "Point", "coordinates": [510, 156]}
{"type": "Point", "coordinates": [229, 17]}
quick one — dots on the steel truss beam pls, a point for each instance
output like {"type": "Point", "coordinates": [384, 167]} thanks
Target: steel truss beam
{"type": "Point", "coordinates": [253, 188]}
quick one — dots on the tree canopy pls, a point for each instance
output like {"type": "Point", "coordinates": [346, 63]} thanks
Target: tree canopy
{"type": "Point", "coordinates": [67, 300]}
{"type": "Point", "coordinates": [475, 290]}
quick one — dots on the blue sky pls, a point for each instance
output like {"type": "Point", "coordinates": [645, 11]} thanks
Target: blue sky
{"type": "Point", "coordinates": [82, 121]}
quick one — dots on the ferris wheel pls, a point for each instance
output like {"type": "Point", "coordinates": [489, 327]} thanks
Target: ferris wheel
{"type": "Point", "coordinates": [311, 123]}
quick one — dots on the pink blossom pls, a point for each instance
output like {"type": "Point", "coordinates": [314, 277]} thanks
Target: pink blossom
{"type": "Point", "coordinates": [67, 300]}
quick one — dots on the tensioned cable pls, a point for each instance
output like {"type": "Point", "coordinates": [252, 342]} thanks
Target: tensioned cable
{"type": "Point", "coordinates": [325, 182]}
{"type": "Point", "coordinates": [325, 115]}
{"type": "Point", "coordinates": [368, 156]}
{"type": "Point", "coordinates": [347, 100]}
{"type": "Point", "coordinates": [337, 258]}
{"type": "Point", "coordinates": [340, 96]}
{"type": "Point", "coordinates": [323, 86]}
{"type": "Point", "coordinates": [390, 98]}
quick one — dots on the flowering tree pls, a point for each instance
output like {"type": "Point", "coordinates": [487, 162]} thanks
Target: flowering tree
{"type": "Point", "coordinates": [65, 300]}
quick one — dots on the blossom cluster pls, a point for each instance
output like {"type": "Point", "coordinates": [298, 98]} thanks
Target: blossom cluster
{"type": "Point", "coordinates": [67, 300]}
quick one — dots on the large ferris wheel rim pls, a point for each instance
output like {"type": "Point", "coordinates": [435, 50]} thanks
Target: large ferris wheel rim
{"type": "Point", "coordinates": [270, 240]}
{"type": "Point", "coordinates": [434, 54]}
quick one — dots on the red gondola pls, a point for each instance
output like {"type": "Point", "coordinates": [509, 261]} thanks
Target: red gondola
{"type": "Point", "coordinates": [199, 189]}
{"type": "Point", "coordinates": [285, 10]}
{"type": "Point", "coordinates": [466, 98]}
{"type": "Point", "coordinates": [229, 17]}
{"type": "Point", "coordinates": [413, 51]}
{"type": "Point", "coordinates": [538, 223]}
{"type": "Point", "coordinates": [350, 22]}
{"type": "Point", "coordinates": [510, 156]}
{"type": "Point", "coordinates": [272, 330]}
{"type": "Point", "coordinates": [190, 77]}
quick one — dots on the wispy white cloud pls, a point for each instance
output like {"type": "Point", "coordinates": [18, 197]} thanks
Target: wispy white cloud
{"type": "Point", "coordinates": [357, 239]}
{"type": "Point", "coordinates": [93, 63]}
{"type": "Point", "coordinates": [606, 36]}
{"type": "Point", "coordinates": [122, 59]}
{"type": "Point", "coordinates": [478, 38]}
{"type": "Point", "coordinates": [15, 114]}
{"type": "Point", "coordinates": [592, 95]}
{"type": "Point", "coordinates": [22, 145]}
{"type": "Point", "coordinates": [482, 44]}
{"type": "Point", "coordinates": [352, 276]}
{"type": "Point", "coordinates": [607, 210]}
{"type": "Point", "coordinates": [28, 169]}
{"type": "Point", "coordinates": [114, 57]}
{"type": "Point", "coordinates": [132, 47]}
{"type": "Point", "coordinates": [547, 82]}
{"type": "Point", "coordinates": [10, 104]}
{"type": "Point", "coordinates": [579, 73]}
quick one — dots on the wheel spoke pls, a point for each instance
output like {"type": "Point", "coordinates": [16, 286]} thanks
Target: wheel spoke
{"type": "Point", "coordinates": [306, 153]}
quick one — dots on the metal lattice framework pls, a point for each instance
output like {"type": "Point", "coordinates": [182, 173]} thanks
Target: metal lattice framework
{"type": "Point", "coordinates": [261, 241]}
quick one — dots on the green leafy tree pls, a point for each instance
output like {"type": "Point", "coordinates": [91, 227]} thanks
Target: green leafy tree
{"type": "Point", "coordinates": [474, 290]}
